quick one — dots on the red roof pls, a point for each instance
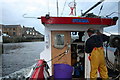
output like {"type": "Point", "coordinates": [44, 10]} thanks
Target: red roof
{"type": "Point", "coordinates": [78, 20]}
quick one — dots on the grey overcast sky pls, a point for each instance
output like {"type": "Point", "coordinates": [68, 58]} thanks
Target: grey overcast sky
{"type": "Point", "coordinates": [12, 11]}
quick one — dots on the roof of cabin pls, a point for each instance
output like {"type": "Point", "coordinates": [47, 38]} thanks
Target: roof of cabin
{"type": "Point", "coordinates": [78, 20]}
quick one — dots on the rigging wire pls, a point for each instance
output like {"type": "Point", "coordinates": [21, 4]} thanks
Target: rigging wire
{"type": "Point", "coordinates": [112, 13]}
{"type": "Point", "coordinates": [61, 55]}
{"type": "Point", "coordinates": [63, 8]}
{"type": "Point", "coordinates": [57, 8]}
{"type": "Point", "coordinates": [100, 9]}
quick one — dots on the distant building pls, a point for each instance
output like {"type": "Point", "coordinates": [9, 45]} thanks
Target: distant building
{"type": "Point", "coordinates": [0, 26]}
{"type": "Point", "coordinates": [15, 31]}
{"type": "Point", "coordinates": [31, 32]}
{"type": "Point", "coordinates": [0, 29]}
{"type": "Point", "coordinates": [0, 32]}
{"type": "Point", "coordinates": [12, 30]}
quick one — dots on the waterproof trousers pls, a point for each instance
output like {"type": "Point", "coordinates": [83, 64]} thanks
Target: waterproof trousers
{"type": "Point", "coordinates": [98, 63]}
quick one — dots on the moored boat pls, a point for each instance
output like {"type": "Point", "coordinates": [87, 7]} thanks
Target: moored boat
{"type": "Point", "coordinates": [64, 42]}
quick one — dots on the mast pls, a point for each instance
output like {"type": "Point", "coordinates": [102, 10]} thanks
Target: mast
{"type": "Point", "coordinates": [92, 7]}
{"type": "Point", "coordinates": [119, 18]}
{"type": "Point", "coordinates": [75, 7]}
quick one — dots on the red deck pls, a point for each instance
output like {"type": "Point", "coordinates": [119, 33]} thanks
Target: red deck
{"type": "Point", "coordinates": [78, 20]}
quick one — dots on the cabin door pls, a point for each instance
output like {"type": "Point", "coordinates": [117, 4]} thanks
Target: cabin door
{"type": "Point", "coordinates": [60, 41]}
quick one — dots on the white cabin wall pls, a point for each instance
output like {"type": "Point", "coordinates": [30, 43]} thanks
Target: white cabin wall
{"type": "Point", "coordinates": [70, 27]}
{"type": "Point", "coordinates": [46, 54]}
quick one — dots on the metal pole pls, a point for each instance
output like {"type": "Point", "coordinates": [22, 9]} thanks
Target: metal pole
{"type": "Point", "coordinates": [92, 7]}
{"type": "Point", "coordinates": [119, 32]}
{"type": "Point", "coordinates": [57, 9]}
{"type": "Point", "coordinates": [119, 17]}
{"type": "Point", "coordinates": [75, 7]}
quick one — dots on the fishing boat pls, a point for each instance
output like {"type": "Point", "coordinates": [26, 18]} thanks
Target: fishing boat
{"type": "Point", "coordinates": [64, 45]}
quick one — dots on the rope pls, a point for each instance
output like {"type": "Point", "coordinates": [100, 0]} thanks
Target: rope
{"type": "Point", "coordinates": [51, 60]}
{"type": "Point", "coordinates": [109, 64]}
{"type": "Point", "coordinates": [62, 54]}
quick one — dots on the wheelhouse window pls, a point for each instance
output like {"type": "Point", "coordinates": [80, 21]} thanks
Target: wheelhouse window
{"type": "Point", "coordinates": [59, 41]}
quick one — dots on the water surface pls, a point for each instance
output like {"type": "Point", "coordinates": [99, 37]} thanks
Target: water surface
{"type": "Point", "coordinates": [20, 55]}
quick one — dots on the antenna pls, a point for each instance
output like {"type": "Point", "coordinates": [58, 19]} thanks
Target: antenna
{"type": "Point", "coordinates": [57, 8]}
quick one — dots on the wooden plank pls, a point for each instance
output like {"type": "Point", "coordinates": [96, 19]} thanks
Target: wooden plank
{"type": "Point", "coordinates": [55, 52]}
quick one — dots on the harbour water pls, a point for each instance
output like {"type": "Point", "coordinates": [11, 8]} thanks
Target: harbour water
{"type": "Point", "coordinates": [20, 55]}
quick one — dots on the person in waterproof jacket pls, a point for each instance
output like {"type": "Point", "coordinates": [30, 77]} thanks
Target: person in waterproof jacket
{"type": "Point", "coordinates": [94, 47]}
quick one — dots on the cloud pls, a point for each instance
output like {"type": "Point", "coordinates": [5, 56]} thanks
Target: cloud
{"type": "Point", "coordinates": [13, 10]}
{"type": "Point", "coordinates": [98, 0]}
{"type": "Point", "coordinates": [30, 8]}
